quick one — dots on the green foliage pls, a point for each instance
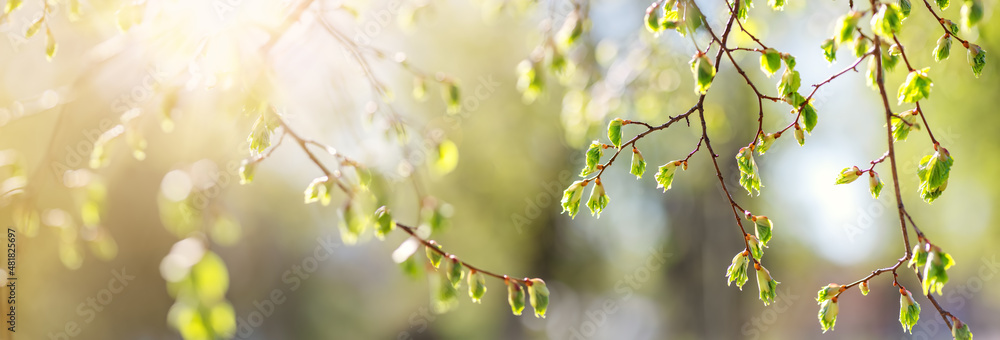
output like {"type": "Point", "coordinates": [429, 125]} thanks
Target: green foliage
{"type": "Point", "coordinates": [827, 292]}
{"type": "Point", "coordinates": [749, 176]}
{"type": "Point", "coordinates": [755, 247]}
{"type": "Point", "coordinates": [829, 50]}
{"type": "Point", "coordinates": [943, 48]}
{"type": "Point", "coordinates": [972, 13]}
{"type": "Point", "coordinates": [887, 21]}
{"type": "Point", "coordinates": [737, 271]}
{"type": "Point", "coordinates": [515, 297]}
{"type": "Point", "coordinates": [598, 199]}
{"type": "Point", "coordinates": [977, 59]}
{"type": "Point", "coordinates": [943, 4]}
{"type": "Point", "coordinates": [615, 132]}
{"type": "Point", "coordinates": [800, 136]}
{"type": "Point", "coordinates": [960, 330]}
{"type": "Point", "coordinates": [529, 80]}
{"type": "Point", "coordinates": [455, 272]}
{"type": "Point", "coordinates": [571, 29]}
{"type": "Point", "coordinates": [539, 295]}
{"type": "Point", "coordinates": [861, 47]}
{"type": "Point", "coordinates": [765, 142]}
{"type": "Point", "coordinates": [809, 116]}
{"type": "Point", "coordinates": [864, 288]}
{"type": "Point", "coordinates": [742, 11]}
{"type": "Point", "coordinates": [385, 222]}
{"type": "Point", "coordinates": [770, 61]}
{"type": "Point", "coordinates": [777, 5]}
{"type": "Point", "coordinates": [572, 196]}
{"type": "Point", "coordinates": [319, 190]}
{"type": "Point", "coordinates": [904, 8]}
{"type": "Point", "coordinates": [594, 154]}
{"type": "Point", "coordinates": [665, 175]}
{"type": "Point", "coordinates": [935, 270]}
{"type": "Point", "coordinates": [477, 286]}
{"type": "Point", "coordinates": [763, 227]}
{"type": "Point", "coordinates": [703, 72]}
{"type": "Point", "coordinates": [452, 97]}
{"type": "Point", "coordinates": [909, 311]}
{"type": "Point", "coordinates": [846, 26]}
{"type": "Point", "coordinates": [652, 18]}
{"type": "Point", "coordinates": [828, 310]}
{"type": "Point", "coordinates": [933, 173]}
{"type": "Point", "coordinates": [638, 164]}
{"type": "Point", "coordinates": [848, 175]}
{"type": "Point", "coordinates": [902, 125]}
{"type": "Point", "coordinates": [766, 284]}
{"type": "Point", "coordinates": [247, 170]}
{"type": "Point", "coordinates": [875, 184]}
{"type": "Point", "coordinates": [917, 86]}
{"type": "Point", "coordinates": [444, 296]}
{"type": "Point", "coordinates": [434, 256]}
{"type": "Point", "coordinates": [790, 82]}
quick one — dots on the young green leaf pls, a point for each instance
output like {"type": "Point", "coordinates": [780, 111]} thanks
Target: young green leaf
{"type": "Point", "coordinates": [477, 285]}
{"type": "Point", "coordinates": [770, 61]}
{"type": "Point", "coordinates": [456, 272]}
{"type": "Point", "coordinates": [615, 132]}
{"type": "Point", "coordinates": [828, 292]}
{"type": "Point", "coordinates": [598, 199]}
{"type": "Point", "coordinates": [789, 60]}
{"type": "Point", "coordinates": [763, 227]}
{"type": "Point", "coordinates": [809, 116]}
{"type": "Point", "coordinates": [790, 82]}
{"type": "Point", "coordinates": [972, 13]}
{"type": "Point", "coordinates": [444, 295]}
{"type": "Point", "coordinates": [572, 197]}
{"type": "Point", "coordinates": [756, 249]}
{"type": "Point", "coordinates": [737, 271]}
{"type": "Point", "coordinates": [539, 295]}
{"type": "Point", "coordinates": [846, 26]}
{"type": "Point", "coordinates": [766, 284]}
{"type": "Point", "coordinates": [515, 297]}
{"type": "Point", "coordinates": [887, 21]}
{"type": "Point", "coordinates": [638, 164]}
{"type": "Point", "coordinates": [864, 288]}
{"type": "Point", "coordinates": [800, 135]}
{"type": "Point", "coordinates": [765, 143]}
{"type": "Point", "coordinates": [319, 190]}
{"type": "Point", "coordinates": [874, 184]}
{"type": "Point", "coordinates": [828, 310]}
{"type": "Point", "coordinates": [571, 29]}
{"type": "Point", "coordinates": [943, 4]}
{"type": "Point", "coordinates": [902, 125]}
{"type": "Point", "coordinates": [777, 5]}
{"type": "Point", "coordinates": [919, 259]}
{"type": "Point", "coordinates": [829, 50]}
{"type": "Point", "coordinates": [433, 256]}
{"type": "Point", "coordinates": [742, 12]}
{"type": "Point", "coordinates": [960, 330]}
{"type": "Point", "coordinates": [385, 222]}
{"type": "Point", "coordinates": [935, 270]}
{"type": "Point", "coordinates": [665, 175]}
{"type": "Point", "coordinates": [977, 59]}
{"type": "Point", "coordinates": [861, 47]}
{"type": "Point", "coordinates": [904, 8]}
{"type": "Point", "coordinates": [749, 176]}
{"type": "Point", "coordinates": [951, 25]}
{"type": "Point", "coordinates": [652, 18]}
{"type": "Point", "coordinates": [943, 48]}
{"type": "Point", "coordinates": [848, 175]}
{"type": "Point", "coordinates": [933, 174]}
{"type": "Point", "coordinates": [909, 310]}
{"type": "Point", "coordinates": [452, 97]}
{"type": "Point", "coordinates": [703, 72]}
{"type": "Point", "coordinates": [594, 154]}
{"type": "Point", "coordinates": [529, 80]}
{"type": "Point", "coordinates": [917, 86]}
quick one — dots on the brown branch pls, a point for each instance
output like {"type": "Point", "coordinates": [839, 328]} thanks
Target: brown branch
{"type": "Point", "coordinates": [430, 244]}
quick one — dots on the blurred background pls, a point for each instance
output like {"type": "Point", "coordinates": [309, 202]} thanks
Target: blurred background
{"type": "Point", "coordinates": [98, 237]}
